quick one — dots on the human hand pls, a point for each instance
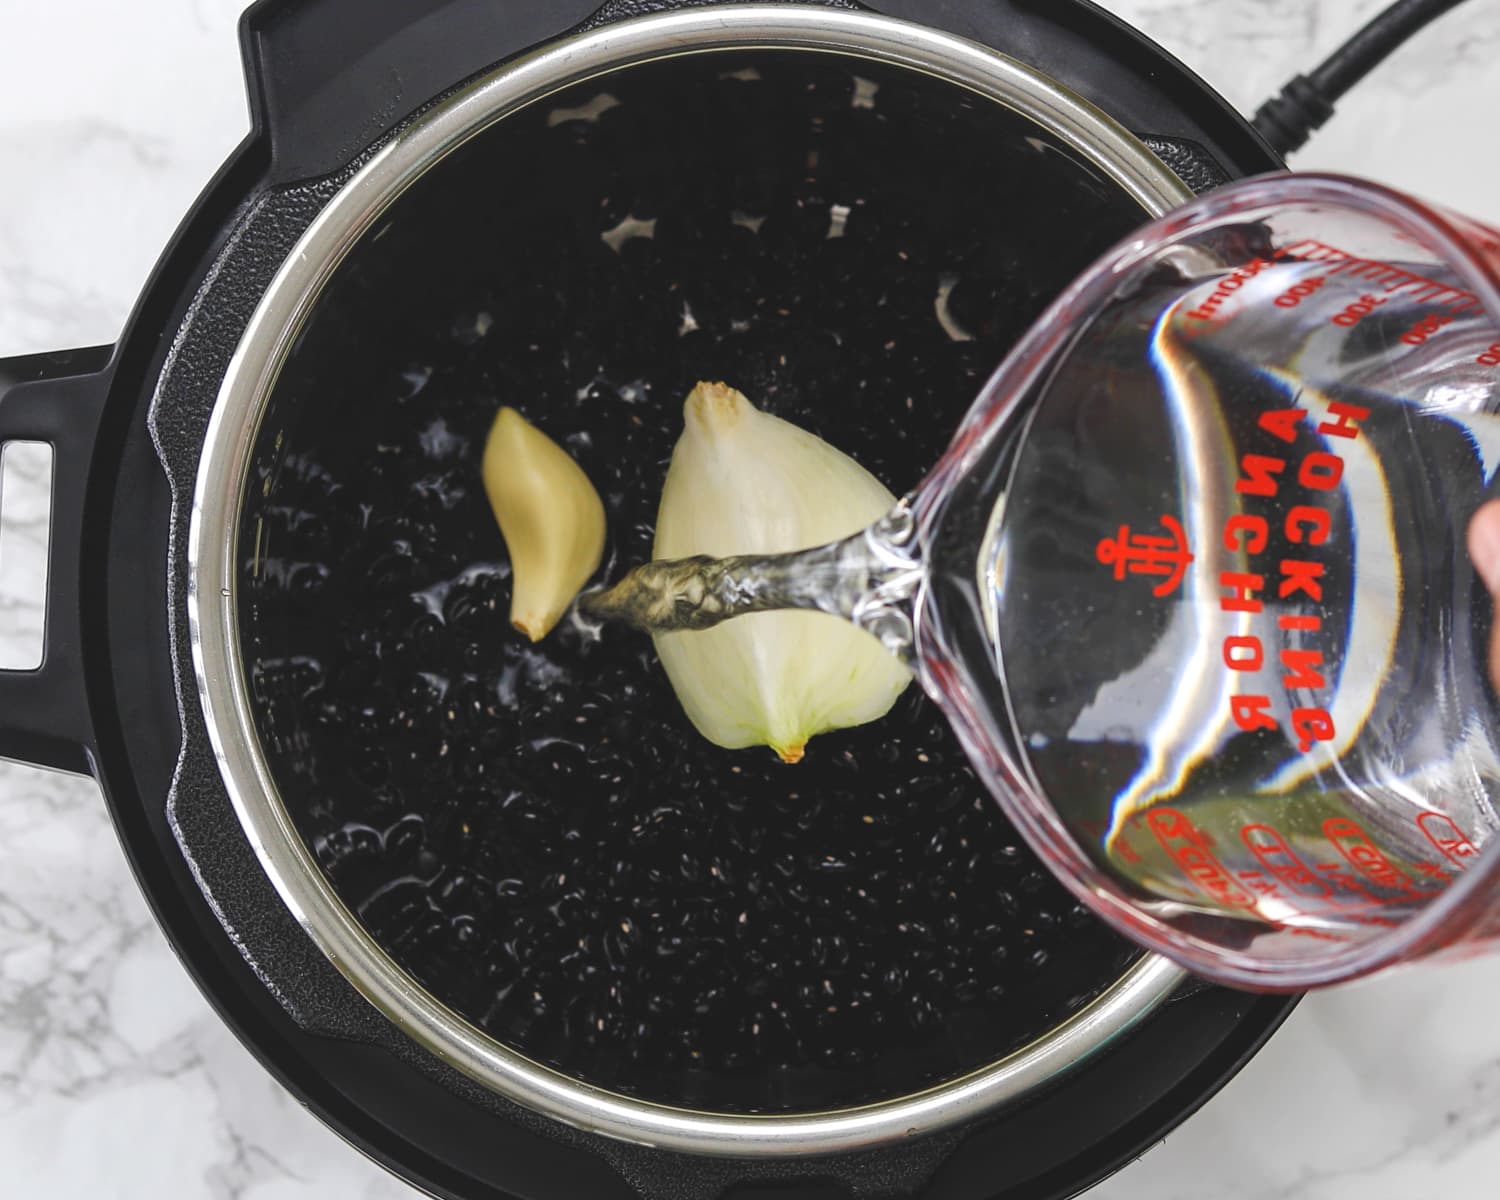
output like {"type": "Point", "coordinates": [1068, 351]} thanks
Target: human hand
{"type": "Point", "coordinates": [1484, 550]}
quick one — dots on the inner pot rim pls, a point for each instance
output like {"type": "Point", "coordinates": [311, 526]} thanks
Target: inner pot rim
{"type": "Point", "coordinates": [213, 550]}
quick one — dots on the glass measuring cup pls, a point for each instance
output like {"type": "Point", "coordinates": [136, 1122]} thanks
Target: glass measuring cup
{"type": "Point", "coordinates": [1191, 583]}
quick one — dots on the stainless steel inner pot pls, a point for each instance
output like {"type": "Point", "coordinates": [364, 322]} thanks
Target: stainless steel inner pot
{"type": "Point", "coordinates": [213, 553]}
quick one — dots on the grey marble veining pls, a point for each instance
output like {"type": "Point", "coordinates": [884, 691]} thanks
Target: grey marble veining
{"type": "Point", "coordinates": [25, 482]}
{"type": "Point", "coordinates": [115, 1078]}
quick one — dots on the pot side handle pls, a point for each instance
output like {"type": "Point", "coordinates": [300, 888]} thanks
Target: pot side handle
{"type": "Point", "coordinates": [57, 399]}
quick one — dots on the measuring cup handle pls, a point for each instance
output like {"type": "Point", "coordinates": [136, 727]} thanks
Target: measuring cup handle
{"type": "Point", "coordinates": [56, 399]}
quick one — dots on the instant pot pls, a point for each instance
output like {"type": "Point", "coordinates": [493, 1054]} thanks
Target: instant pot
{"type": "Point", "coordinates": [382, 133]}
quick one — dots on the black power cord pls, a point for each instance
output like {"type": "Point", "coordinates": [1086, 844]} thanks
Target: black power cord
{"type": "Point", "coordinates": [1285, 121]}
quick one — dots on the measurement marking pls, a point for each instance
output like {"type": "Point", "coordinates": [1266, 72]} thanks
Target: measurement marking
{"type": "Point", "coordinates": [1447, 838]}
{"type": "Point", "coordinates": [1350, 840]}
{"type": "Point", "coordinates": [1389, 278]}
{"type": "Point", "coordinates": [1349, 896]}
{"type": "Point", "coordinates": [1189, 850]}
{"type": "Point", "coordinates": [1436, 871]}
{"type": "Point", "coordinates": [1259, 883]}
{"type": "Point", "coordinates": [1322, 934]}
{"type": "Point", "coordinates": [1372, 919]}
{"type": "Point", "coordinates": [1270, 848]}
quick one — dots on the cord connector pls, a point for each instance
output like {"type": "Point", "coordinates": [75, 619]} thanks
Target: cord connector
{"type": "Point", "coordinates": [1287, 120]}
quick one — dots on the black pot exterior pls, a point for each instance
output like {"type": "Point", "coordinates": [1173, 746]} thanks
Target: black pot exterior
{"type": "Point", "coordinates": [117, 693]}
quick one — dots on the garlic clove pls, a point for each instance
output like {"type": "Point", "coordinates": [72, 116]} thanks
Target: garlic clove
{"type": "Point", "coordinates": [742, 481]}
{"type": "Point", "coordinates": [550, 516]}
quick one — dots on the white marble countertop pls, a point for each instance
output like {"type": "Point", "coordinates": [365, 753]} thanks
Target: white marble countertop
{"type": "Point", "coordinates": [115, 1078]}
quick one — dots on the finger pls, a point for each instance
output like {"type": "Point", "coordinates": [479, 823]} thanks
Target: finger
{"type": "Point", "coordinates": [1484, 550]}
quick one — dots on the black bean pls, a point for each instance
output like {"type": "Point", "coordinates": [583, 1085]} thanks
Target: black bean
{"type": "Point", "coordinates": [536, 831]}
